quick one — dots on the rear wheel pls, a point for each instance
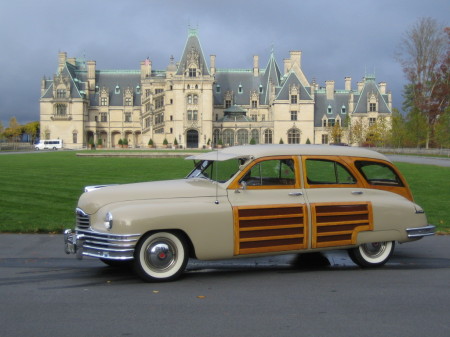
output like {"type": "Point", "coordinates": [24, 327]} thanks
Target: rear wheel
{"type": "Point", "coordinates": [161, 256]}
{"type": "Point", "coordinates": [372, 254]}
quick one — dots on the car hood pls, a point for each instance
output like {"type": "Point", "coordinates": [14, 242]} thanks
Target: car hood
{"type": "Point", "coordinates": [184, 188]}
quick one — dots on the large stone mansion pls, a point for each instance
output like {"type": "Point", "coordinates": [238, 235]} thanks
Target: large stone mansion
{"type": "Point", "coordinates": [196, 105]}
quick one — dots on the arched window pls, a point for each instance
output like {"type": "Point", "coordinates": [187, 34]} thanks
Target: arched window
{"type": "Point", "coordinates": [268, 136]}
{"type": "Point", "coordinates": [216, 136]}
{"type": "Point", "coordinates": [242, 137]}
{"type": "Point", "coordinates": [228, 137]}
{"type": "Point", "coordinates": [255, 136]}
{"type": "Point", "coordinates": [294, 136]}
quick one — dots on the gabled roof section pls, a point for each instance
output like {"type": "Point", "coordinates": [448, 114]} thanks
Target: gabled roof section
{"type": "Point", "coordinates": [193, 52]}
{"type": "Point", "coordinates": [370, 87]}
{"type": "Point", "coordinates": [76, 86]}
{"type": "Point", "coordinates": [292, 79]}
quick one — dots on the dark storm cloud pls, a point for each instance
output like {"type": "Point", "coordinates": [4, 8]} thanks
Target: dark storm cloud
{"type": "Point", "coordinates": [337, 38]}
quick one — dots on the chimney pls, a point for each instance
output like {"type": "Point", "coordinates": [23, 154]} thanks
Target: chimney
{"type": "Point", "coordinates": [91, 74]}
{"type": "Point", "coordinates": [329, 89]}
{"type": "Point", "coordinates": [43, 85]}
{"type": "Point", "coordinates": [348, 83]}
{"type": "Point", "coordinates": [382, 86]}
{"type": "Point", "coordinates": [360, 86]}
{"type": "Point", "coordinates": [296, 58]}
{"type": "Point", "coordinates": [255, 65]}
{"type": "Point", "coordinates": [62, 59]}
{"type": "Point", "coordinates": [287, 65]}
{"type": "Point", "coordinates": [212, 61]}
{"type": "Point", "coordinates": [146, 68]}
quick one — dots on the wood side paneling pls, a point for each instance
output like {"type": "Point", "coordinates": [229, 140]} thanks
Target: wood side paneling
{"type": "Point", "coordinates": [338, 224]}
{"type": "Point", "coordinates": [269, 228]}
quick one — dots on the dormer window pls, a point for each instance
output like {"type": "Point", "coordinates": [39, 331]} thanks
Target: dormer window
{"type": "Point", "coordinates": [261, 89]}
{"type": "Point", "coordinates": [138, 90]}
{"type": "Point", "coordinates": [343, 110]}
{"type": "Point", "coordinates": [329, 109]}
{"type": "Point", "coordinates": [294, 99]}
{"type": "Point", "coordinates": [117, 90]}
{"type": "Point", "coordinates": [240, 90]}
{"type": "Point", "coordinates": [372, 107]}
{"type": "Point", "coordinates": [218, 88]}
{"type": "Point", "coordinates": [192, 72]}
{"type": "Point", "coordinates": [61, 93]}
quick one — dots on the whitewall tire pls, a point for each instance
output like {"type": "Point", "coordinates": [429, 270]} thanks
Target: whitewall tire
{"type": "Point", "coordinates": [372, 254]}
{"type": "Point", "coordinates": [161, 256]}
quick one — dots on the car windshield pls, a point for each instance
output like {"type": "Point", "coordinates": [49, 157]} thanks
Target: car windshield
{"type": "Point", "coordinates": [220, 171]}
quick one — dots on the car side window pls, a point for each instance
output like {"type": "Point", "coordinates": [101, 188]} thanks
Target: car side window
{"type": "Point", "coordinates": [271, 173]}
{"type": "Point", "coordinates": [326, 172]}
{"type": "Point", "coordinates": [378, 173]}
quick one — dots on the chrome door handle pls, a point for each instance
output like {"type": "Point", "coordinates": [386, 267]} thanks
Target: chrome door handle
{"type": "Point", "coordinates": [357, 192]}
{"type": "Point", "coordinates": [295, 194]}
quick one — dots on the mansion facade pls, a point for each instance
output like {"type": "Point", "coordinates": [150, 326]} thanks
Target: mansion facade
{"type": "Point", "coordinates": [195, 105]}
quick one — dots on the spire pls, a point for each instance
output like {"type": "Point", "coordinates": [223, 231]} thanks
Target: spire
{"type": "Point", "coordinates": [193, 56]}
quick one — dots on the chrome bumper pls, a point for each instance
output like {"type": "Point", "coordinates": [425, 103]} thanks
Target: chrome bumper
{"type": "Point", "coordinates": [101, 245]}
{"type": "Point", "coordinates": [420, 232]}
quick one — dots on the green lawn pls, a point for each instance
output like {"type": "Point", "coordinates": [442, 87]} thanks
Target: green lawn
{"type": "Point", "coordinates": [39, 191]}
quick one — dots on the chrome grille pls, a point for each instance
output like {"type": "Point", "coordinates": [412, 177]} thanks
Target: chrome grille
{"type": "Point", "coordinates": [82, 219]}
{"type": "Point", "coordinates": [109, 246]}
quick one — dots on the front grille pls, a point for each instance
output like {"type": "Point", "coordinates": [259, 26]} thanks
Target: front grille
{"type": "Point", "coordinates": [82, 219]}
{"type": "Point", "coordinates": [109, 246]}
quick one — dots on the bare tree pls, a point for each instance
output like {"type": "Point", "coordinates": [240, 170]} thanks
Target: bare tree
{"type": "Point", "coordinates": [421, 52]}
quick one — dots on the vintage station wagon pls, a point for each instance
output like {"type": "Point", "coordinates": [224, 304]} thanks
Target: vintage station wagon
{"type": "Point", "coordinates": [250, 201]}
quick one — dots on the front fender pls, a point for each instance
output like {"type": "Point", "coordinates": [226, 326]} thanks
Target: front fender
{"type": "Point", "coordinates": [209, 225]}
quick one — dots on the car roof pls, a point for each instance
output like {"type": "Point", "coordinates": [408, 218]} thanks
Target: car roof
{"type": "Point", "coordinates": [265, 150]}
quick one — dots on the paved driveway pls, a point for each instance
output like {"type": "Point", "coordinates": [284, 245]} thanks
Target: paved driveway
{"type": "Point", "coordinates": [45, 292]}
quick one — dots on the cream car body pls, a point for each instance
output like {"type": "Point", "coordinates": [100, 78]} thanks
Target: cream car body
{"type": "Point", "coordinates": [248, 201]}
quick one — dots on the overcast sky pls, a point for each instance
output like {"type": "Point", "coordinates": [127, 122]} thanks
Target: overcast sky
{"type": "Point", "coordinates": [337, 38]}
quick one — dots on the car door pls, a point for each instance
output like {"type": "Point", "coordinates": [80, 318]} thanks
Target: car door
{"type": "Point", "coordinates": [338, 203]}
{"type": "Point", "coordinates": [269, 210]}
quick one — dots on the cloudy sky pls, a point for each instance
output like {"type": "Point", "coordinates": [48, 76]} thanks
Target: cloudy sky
{"type": "Point", "coordinates": [337, 38]}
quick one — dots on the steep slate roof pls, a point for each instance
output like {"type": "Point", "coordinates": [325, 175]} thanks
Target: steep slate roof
{"type": "Point", "coordinates": [193, 43]}
{"type": "Point", "coordinates": [272, 74]}
{"type": "Point", "coordinates": [111, 79]}
{"type": "Point", "coordinates": [229, 80]}
{"type": "Point", "coordinates": [77, 87]}
{"type": "Point", "coordinates": [370, 87]}
{"type": "Point", "coordinates": [287, 82]}
{"type": "Point", "coordinates": [107, 78]}
{"type": "Point", "coordinates": [322, 103]}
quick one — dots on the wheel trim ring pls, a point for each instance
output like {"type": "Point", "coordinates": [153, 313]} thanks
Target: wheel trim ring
{"type": "Point", "coordinates": [160, 255]}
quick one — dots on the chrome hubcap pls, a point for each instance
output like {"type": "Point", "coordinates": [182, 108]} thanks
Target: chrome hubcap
{"type": "Point", "coordinates": [160, 255]}
{"type": "Point", "coordinates": [374, 249]}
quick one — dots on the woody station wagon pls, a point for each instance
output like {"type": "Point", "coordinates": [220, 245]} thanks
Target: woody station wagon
{"type": "Point", "coordinates": [251, 201]}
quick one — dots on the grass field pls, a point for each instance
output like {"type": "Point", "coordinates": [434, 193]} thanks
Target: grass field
{"type": "Point", "coordinates": [39, 191]}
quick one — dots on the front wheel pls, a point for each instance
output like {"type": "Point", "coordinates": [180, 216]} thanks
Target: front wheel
{"type": "Point", "coordinates": [161, 256]}
{"type": "Point", "coordinates": [372, 254]}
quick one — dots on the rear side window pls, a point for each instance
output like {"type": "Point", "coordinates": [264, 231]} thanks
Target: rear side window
{"type": "Point", "coordinates": [271, 173]}
{"type": "Point", "coordinates": [327, 172]}
{"type": "Point", "coordinates": [378, 173]}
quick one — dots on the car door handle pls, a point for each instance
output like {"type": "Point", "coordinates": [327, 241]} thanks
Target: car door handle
{"type": "Point", "coordinates": [357, 192]}
{"type": "Point", "coordinates": [295, 194]}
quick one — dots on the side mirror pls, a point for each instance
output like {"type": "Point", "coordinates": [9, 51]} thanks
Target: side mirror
{"type": "Point", "coordinates": [243, 187]}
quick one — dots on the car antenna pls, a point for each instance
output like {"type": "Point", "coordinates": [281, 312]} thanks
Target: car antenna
{"type": "Point", "coordinates": [217, 176]}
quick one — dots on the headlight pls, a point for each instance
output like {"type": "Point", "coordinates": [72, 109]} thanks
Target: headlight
{"type": "Point", "coordinates": [108, 221]}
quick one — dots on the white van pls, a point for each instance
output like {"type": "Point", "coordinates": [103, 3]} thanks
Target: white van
{"type": "Point", "coordinates": [52, 144]}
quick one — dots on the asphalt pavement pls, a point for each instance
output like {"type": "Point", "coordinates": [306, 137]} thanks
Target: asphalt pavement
{"type": "Point", "coordinates": [45, 292]}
